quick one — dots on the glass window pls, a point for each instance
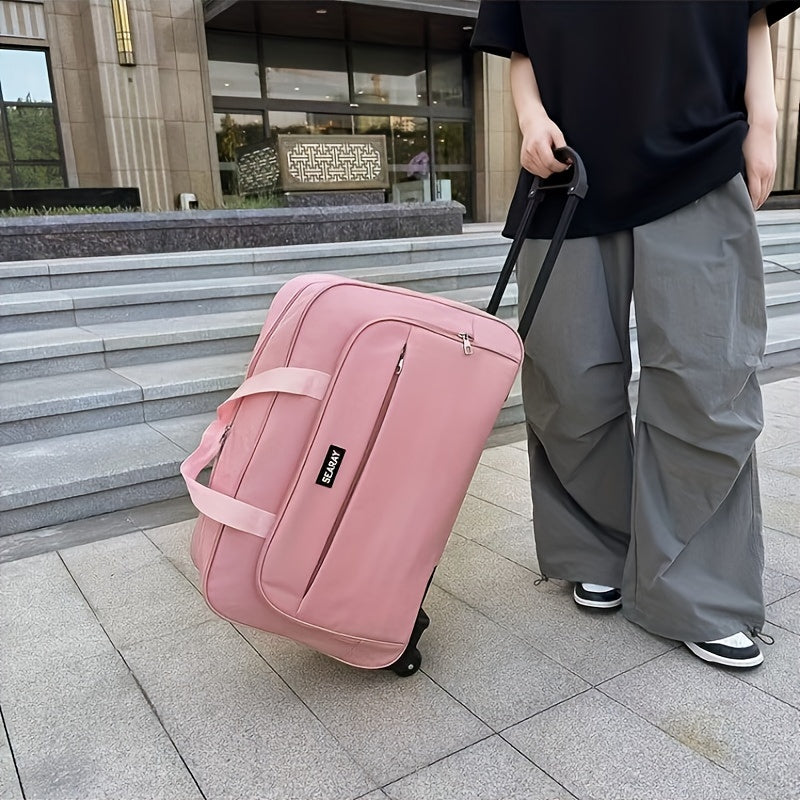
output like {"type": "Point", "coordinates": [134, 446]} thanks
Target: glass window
{"type": "Point", "coordinates": [235, 130]}
{"type": "Point", "coordinates": [406, 138]}
{"type": "Point", "coordinates": [313, 72]}
{"type": "Point", "coordinates": [409, 147]}
{"type": "Point", "coordinates": [3, 147]}
{"type": "Point", "coordinates": [451, 185]}
{"type": "Point", "coordinates": [447, 79]}
{"type": "Point", "coordinates": [407, 151]}
{"type": "Point", "coordinates": [298, 69]}
{"type": "Point", "coordinates": [393, 75]}
{"type": "Point", "coordinates": [453, 149]}
{"type": "Point", "coordinates": [300, 122]}
{"type": "Point", "coordinates": [452, 144]}
{"type": "Point", "coordinates": [30, 153]}
{"type": "Point", "coordinates": [24, 77]}
{"type": "Point", "coordinates": [38, 176]}
{"type": "Point", "coordinates": [233, 65]}
{"type": "Point", "coordinates": [33, 133]}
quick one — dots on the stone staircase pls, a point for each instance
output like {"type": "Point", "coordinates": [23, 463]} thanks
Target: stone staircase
{"type": "Point", "coordinates": [110, 368]}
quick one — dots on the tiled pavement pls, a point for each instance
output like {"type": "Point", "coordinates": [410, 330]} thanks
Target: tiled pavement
{"type": "Point", "coordinates": [116, 681]}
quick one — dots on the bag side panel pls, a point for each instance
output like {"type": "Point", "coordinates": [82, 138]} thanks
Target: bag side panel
{"type": "Point", "coordinates": [267, 444]}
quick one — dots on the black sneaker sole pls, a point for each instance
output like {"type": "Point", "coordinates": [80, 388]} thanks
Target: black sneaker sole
{"type": "Point", "coordinates": [596, 600]}
{"type": "Point", "coordinates": [725, 661]}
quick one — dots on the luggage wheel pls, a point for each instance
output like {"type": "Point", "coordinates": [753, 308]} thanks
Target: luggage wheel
{"type": "Point", "coordinates": [407, 664]}
{"type": "Point", "coordinates": [410, 661]}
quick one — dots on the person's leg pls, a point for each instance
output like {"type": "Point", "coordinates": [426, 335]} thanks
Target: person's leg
{"type": "Point", "coordinates": [574, 383]}
{"type": "Point", "coordinates": [694, 568]}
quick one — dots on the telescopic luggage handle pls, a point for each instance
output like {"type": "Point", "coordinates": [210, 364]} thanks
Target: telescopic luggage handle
{"type": "Point", "coordinates": [574, 181]}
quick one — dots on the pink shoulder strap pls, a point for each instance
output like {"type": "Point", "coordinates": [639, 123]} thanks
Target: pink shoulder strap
{"type": "Point", "coordinates": [221, 507]}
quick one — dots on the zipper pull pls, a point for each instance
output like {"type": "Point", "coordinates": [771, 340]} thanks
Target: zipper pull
{"type": "Point", "coordinates": [399, 367]}
{"type": "Point", "coordinates": [224, 435]}
{"type": "Point", "coordinates": [465, 340]}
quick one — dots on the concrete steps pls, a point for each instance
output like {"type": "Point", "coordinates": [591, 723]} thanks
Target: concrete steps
{"type": "Point", "coordinates": [111, 368]}
{"type": "Point", "coordinates": [84, 474]}
{"type": "Point", "coordinates": [166, 299]}
{"type": "Point", "coordinates": [58, 405]}
{"type": "Point", "coordinates": [76, 273]}
{"type": "Point", "coordinates": [145, 390]}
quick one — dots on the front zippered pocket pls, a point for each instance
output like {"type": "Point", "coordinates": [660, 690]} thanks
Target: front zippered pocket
{"type": "Point", "coordinates": [360, 394]}
{"type": "Point", "coordinates": [387, 534]}
{"type": "Point", "coordinates": [368, 450]}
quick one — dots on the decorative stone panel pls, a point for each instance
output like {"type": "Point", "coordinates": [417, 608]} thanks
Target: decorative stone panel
{"type": "Point", "coordinates": [315, 163]}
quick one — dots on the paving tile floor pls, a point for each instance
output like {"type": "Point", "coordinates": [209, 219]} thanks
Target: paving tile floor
{"type": "Point", "coordinates": [116, 681]}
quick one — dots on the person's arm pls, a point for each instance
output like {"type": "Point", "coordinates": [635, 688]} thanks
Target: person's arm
{"type": "Point", "coordinates": [760, 144]}
{"type": "Point", "coordinates": [540, 135]}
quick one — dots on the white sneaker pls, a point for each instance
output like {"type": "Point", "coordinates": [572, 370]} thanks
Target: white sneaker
{"type": "Point", "coordinates": [737, 650]}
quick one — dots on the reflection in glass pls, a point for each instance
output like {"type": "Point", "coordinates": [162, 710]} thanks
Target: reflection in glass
{"type": "Point", "coordinates": [37, 176]}
{"type": "Point", "coordinates": [298, 69]}
{"type": "Point", "coordinates": [233, 65]}
{"type": "Point", "coordinates": [33, 132]}
{"type": "Point", "coordinates": [447, 79]}
{"type": "Point", "coordinates": [235, 131]}
{"type": "Point", "coordinates": [451, 140]}
{"type": "Point", "coordinates": [24, 77]}
{"type": "Point", "coordinates": [455, 186]}
{"type": "Point", "coordinates": [407, 151]}
{"type": "Point", "coordinates": [393, 75]}
{"type": "Point", "coordinates": [453, 149]}
{"type": "Point", "coordinates": [5, 178]}
{"type": "Point", "coordinates": [300, 122]}
{"type": "Point", "coordinates": [3, 147]}
{"type": "Point", "coordinates": [406, 137]}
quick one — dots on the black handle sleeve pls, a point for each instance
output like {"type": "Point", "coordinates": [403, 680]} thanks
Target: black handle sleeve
{"type": "Point", "coordinates": [574, 182]}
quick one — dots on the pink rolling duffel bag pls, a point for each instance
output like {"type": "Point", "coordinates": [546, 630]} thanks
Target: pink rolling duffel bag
{"type": "Point", "coordinates": [344, 457]}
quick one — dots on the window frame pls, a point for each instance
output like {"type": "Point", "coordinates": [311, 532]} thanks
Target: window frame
{"type": "Point", "coordinates": [12, 162]}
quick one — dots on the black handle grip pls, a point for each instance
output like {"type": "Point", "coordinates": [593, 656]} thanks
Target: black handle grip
{"type": "Point", "coordinates": [572, 179]}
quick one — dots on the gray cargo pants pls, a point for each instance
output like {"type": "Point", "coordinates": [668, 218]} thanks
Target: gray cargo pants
{"type": "Point", "coordinates": [669, 512]}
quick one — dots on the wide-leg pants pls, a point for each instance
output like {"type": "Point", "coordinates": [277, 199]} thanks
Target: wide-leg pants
{"type": "Point", "coordinates": [669, 512]}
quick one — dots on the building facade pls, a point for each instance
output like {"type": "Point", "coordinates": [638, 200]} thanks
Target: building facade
{"type": "Point", "coordinates": [162, 94]}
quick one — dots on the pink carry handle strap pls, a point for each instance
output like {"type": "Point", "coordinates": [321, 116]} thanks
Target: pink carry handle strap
{"type": "Point", "coordinates": [221, 507]}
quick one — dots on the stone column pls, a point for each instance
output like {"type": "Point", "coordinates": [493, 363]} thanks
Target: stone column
{"type": "Point", "coordinates": [72, 95]}
{"type": "Point", "coordinates": [497, 138]}
{"type": "Point", "coordinates": [128, 114]}
{"type": "Point", "coordinates": [787, 93]}
{"type": "Point", "coordinates": [148, 125]}
{"type": "Point", "coordinates": [186, 99]}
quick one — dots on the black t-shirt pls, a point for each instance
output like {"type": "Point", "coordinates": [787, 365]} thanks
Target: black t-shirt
{"type": "Point", "coordinates": [649, 92]}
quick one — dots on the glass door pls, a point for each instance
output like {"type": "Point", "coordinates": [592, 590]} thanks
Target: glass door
{"type": "Point", "coordinates": [452, 164]}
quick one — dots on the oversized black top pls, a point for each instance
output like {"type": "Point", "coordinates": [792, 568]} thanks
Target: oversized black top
{"type": "Point", "coordinates": [649, 92]}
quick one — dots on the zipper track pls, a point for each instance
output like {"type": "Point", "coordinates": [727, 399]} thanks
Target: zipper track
{"type": "Point", "coordinates": [376, 428]}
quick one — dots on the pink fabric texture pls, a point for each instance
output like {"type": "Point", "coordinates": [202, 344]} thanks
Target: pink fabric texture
{"type": "Point", "coordinates": [342, 461]}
